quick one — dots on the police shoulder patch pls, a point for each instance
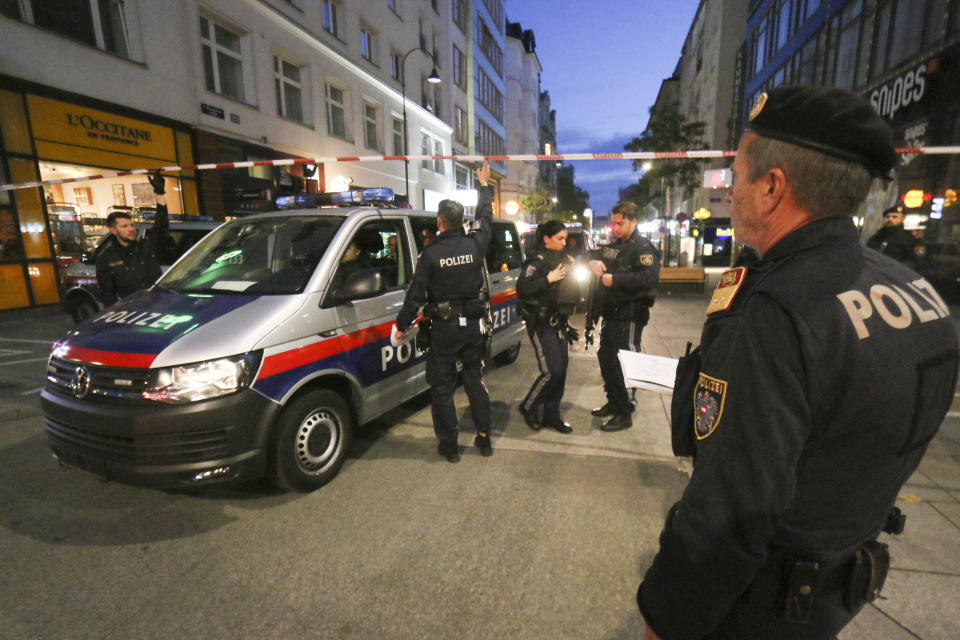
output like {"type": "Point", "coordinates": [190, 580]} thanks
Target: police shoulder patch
{"type": "Point", "coordinates": [646, 259]}
{"type": "Point", "coordinates": [708, 399]}
{"type": "Point", "coordinates": [727, 288]}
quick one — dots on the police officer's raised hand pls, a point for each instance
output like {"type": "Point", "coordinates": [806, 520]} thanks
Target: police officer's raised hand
{"type": "Point", "coordinates": [557, 274]}
{"type": "Point", "coordinates": [157, 182]}
{"type": "Point", "coordinates": [483, 174]}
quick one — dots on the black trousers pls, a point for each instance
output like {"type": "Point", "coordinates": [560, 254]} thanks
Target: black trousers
{"type": "Point", "coordinates": [449, 343]}
{"type": "Point", "coordinates": [550, 346]}
{"type": "Point", "coordinates": [618, 334]}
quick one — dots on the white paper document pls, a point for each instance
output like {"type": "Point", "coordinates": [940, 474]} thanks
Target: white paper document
{"type": "Point", "coordinates": [644, 371]}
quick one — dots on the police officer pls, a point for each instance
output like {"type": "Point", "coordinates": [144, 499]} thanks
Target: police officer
{"type": "Point", "coordinates": [545, 313]}
{"type": "Point", "coordinates": [124, 263]}
{"type": "Point", "coordinates": [824, 370]}
{"type": "Point", "coordinates": [449, 284]}
{"type": "Point", "coordinates": [628, 270]}
{"type": "Point", "coordinates": [895, 241]}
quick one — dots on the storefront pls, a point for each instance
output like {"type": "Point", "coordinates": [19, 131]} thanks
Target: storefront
{"type": "Point", "coordinates": [48, 135]}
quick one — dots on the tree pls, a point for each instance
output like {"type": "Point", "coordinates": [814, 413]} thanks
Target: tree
{"type": "Point", "coordinates": [537, 203]}
{"type": "Point", "coordinates": [571, 199]}
{"type": "Point", "coordinates": [667, 130]}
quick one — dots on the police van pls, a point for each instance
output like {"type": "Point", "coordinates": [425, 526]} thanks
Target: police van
{"type": "Point", "coordinates": [258, 351]}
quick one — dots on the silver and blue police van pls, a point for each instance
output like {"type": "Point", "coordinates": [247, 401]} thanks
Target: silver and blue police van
{"type": "Point", "coordinates": [258, 351]}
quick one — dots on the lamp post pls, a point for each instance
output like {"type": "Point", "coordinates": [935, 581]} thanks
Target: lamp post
{"type": "Point", "coordinates": [433, 78]}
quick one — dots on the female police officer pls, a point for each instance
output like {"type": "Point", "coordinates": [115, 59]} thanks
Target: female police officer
{"type": "Point", "coordinates": [545, 311]}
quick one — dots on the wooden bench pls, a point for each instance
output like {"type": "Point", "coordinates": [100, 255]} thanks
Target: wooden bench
{"type": "Point", "coordinates": [682, 279]}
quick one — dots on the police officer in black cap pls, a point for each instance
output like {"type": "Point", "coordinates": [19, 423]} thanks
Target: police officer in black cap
{"type": "Point", "coordinates": [545, 302]}
{"type": "Point", "coordinates": [895, 241]}
{"type": "Point", "coordinates": [126, 264]}
{"type": "Point", "coordinates": [628, 270]}
{"type": "Point", "coordinates": [449, 285]}
{"type": "Point", "coordinates": [824, 371]}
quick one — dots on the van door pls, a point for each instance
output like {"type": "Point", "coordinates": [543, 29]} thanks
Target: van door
{"type": "Point", "coordinates": [504, 259]}
{"type": "Point", "coordinates": [387, 375]}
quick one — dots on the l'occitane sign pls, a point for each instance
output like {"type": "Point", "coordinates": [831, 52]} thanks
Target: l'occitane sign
{"type": "Point", "coordinates": [70, 124]}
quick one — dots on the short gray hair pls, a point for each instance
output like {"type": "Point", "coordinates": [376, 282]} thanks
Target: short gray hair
{"type": "Point", "coordinates": [823, 185]}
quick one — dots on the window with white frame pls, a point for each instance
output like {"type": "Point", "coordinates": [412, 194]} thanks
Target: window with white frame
{"type": "Point", "coordinates": [438, 151]}
{"type": "Point", "coordinates": [286, 76]}
{"type": "Point", "coordinates": [398, 149]}
{"type": "Point", "coordinates": [222, 59]}
{"type": "Point", "coordinates": [371, 135]}
{"type": "Point", "coordinates": [395, 66]}
{"type": "Point", "coordinates": [330, 11]}
{"type": "Point", "coordinates": [460, 131]}
{"type": "Point", "coordinates": [336, 112]}
{"type": "Point", "coordinates": [424, 150]}
{"type": "Point", "coordinates": [367, 43]}
{"type": "Point", "coordinates": [98, 23]}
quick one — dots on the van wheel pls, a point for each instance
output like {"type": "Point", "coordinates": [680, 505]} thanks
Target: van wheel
{"type": "Point", "coordinates": [508, 356]}
{"type": "Point", "coordinates": [82, 311]}
{"type": "Point", "coordinates": [310, 441]}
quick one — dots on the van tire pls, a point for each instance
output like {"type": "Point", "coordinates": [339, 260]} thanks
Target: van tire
{"type": "Point", "coordinates": [309, 441]}
{"type": "Point", "coordinates": [509, 356]}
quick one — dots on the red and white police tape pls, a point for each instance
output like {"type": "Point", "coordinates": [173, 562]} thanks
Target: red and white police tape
{"type": "Point", "coordinates": [629, 155]}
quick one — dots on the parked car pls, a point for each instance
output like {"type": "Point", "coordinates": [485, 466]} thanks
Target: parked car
{"type": "Point", "coordinates": [81, 293]}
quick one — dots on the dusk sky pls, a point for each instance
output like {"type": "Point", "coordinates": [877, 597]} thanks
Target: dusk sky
{"type": "Point", "coordinates": [603, 63]}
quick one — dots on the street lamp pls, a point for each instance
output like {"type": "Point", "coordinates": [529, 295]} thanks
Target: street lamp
{"type": "Point", "coordinates": [433, 78]}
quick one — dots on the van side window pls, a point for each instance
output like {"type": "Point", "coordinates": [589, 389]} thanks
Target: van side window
{"type": "Point", "coordinates": [504, 251]}
{"type": "Point", "coordinates": [424, 231]}
{"type": "Point", "coordinates": [377, 246]}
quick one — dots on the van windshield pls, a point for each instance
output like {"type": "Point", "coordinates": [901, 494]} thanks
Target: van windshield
{"type": "Point", "coordinates": [272, 256]}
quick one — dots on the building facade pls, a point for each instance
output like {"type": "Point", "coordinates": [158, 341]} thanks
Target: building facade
{"type": "Point", "coordinates": [140, 84]}
{"type": "Point", "coordinates": [523, 111]}
{"type": "Point", "coordinates": [903, 56]}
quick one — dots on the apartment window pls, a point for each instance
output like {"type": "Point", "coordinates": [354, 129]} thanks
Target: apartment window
{"type": "Point", "coordinates": [286, 77]}
{"type": "Point", "coordinates": [395, 66]}
{"type": "Point", "coordinates": [367, 40]}
{"type": "Point", "coordinates": [487, 141]}
{"type": "Point", "coordinates": [371, 136]}
{"type": "Point", "coordinates": [935, 21]}
{"type": "Point", "coordinates": [458, 12]}
{"type": "Point", "coordinates": [496, 12]}
{"type": "Point", "coordinates": [222, 59]}
{"type": "Point", "coordinates": [460, 132]}
{"type": "Point", "coordinates": [437, 102]}
{"type": "Point", "coordinates": [392, 5]}
{"type": "Point", "coordinates": [98, 23]}
{"type": "Point", "coordinates": [459, 68]}
{"type": "Point", "coordinates": [907, 26]}
{"type": "Point", "coordinates": [336, 112]}
{"type": "Point", "coordinates": [488, 45]}
{"type": "Point", "coordinates": [398, 149]}
{"type": "Point", "coordinates": [438, 151]}
{"type": "Point", "coordinates": [424, 150]}
{"type": "Point", "coordinates": [433, 3]}
{"type": "Point", "coordinates": [847, 45]}
{"type": "Point", "coordinates": [330, 11]}
{"type": "Point", "coordinates": [489, 96]}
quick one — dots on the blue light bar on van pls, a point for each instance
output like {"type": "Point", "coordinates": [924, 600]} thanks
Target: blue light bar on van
{"type": "Point", "coordinates": [298, 201]}
{"type": "Point", "coordinates": [358, 196]}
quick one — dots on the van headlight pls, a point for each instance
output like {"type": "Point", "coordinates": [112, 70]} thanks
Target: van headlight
{"type": "Point", "coordinates": [581, 272]}
{"type": "Point", "coordinates": [203, 380]}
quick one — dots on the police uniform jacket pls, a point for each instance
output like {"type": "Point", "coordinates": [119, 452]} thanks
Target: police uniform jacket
{"type": "Point", "coordinates": [896, 242]}
{"type": "Point", "coordinates": [125, 270]}
{"type": "Point", "coordinates": [826, 368]}
{"type": "Point", "coordinates": [635, 266]}
{"type": "Point", "coordinates": [534, 289]}
{"type": "Point", "coordinates": [451, 268]}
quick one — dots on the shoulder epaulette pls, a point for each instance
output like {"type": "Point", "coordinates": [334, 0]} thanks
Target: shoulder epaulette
{"type": "Point", "coordinates": [727, 288]}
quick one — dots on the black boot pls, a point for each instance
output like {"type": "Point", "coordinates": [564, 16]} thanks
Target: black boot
{"type": "Point", "coordinates": [450, 450]}
{"type": "Point", "coordinates": [606, 410]}
{"type": "Point", "coordinates": [618, 422]}
{"type": "Point", "coordinates": [559, 425]}
{"type": "Point", "coordinates": [482, 442]}
{"type": "Point", "coordinates": [530, 417]}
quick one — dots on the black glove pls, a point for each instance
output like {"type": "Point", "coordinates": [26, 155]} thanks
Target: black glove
{"type": "Point", "coordinates": [157, 182]}
{"type": "Point", "coordinates": [573, 335]}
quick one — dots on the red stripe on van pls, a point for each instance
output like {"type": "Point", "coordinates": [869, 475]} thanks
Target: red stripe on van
{"type": "Point", "coordinates": [286, 360]}
{"type": "Point", "coordinates": [107, 358]}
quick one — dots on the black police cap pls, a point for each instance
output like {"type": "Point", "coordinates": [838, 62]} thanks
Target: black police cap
{"type": "Point", "coordinates": [897, 208]}
{"type": "Point", "coordinates": [833, 121]}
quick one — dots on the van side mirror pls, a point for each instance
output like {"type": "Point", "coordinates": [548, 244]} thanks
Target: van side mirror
{"type": "Point", "coordinates": [360, 285]}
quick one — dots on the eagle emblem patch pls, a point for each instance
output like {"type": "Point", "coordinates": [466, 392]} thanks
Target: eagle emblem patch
{"type": "Point", "coordinates": [646, 259]}
{"type": "Point", "coordinates": [708, 399]}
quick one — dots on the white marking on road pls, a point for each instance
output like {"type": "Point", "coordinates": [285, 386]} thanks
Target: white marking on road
{"type": "Point", "coordinates": [13, 352]}
{"type": "Point", "coordinates": [3, 364]}
{"type": "Point", "coordinates": [32, 391]}
{"type": "Point", "coordinates": [26, 340]}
